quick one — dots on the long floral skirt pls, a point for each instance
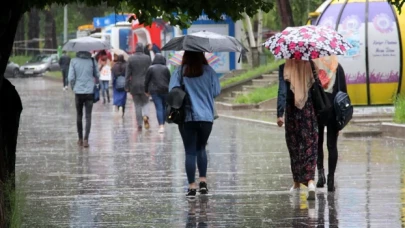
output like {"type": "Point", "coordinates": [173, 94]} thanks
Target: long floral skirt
{"type": "Point", "coordinates": [302, 140]}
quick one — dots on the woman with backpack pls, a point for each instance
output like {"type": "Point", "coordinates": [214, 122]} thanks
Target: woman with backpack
{"type": "Point", "coordinates": [332, 77]}
{"type": "Point", "coordinates": [157, 85]}
{"type": "Point", "coordinates": [201, 85]}
{"type": "Point", "coordinates": [118, 75]}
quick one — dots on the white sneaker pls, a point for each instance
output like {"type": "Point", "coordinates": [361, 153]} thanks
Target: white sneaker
{"type": "Point", "coordinates": [311, 192]}
{"type": "Point", "coordinates": [294, 190]}
{"type": "Point", "coordinates": [161, 130]}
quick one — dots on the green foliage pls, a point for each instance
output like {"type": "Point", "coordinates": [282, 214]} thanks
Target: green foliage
{"type": "Point", "coordinates": [16, 197]}
{"type": "Point", "coordinates": [54, 74]}
{"type": "Point", "coordinates": [397, 3]}
{"type": "Point", "coordinates": [258, 95]}
{"type": "Point", "coordinates": [20, 59]}
{"type": "Point", "coordinates": [252, 73]}
{"type": "Point", "coordinates": [399, 115]}
{"type": "Point", "coordinates": [177, 12]}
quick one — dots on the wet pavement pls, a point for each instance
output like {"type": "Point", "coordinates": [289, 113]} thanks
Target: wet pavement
{"type": "Point", "coordinates": [136, 179]}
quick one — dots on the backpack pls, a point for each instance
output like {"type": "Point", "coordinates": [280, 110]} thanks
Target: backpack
{"type": "Point", "coordinates": [343, 108]}
{"type": "Point", "coordinates": [176, 103]}
{"type": "Point", "coordinates": [322, 104]}
{"type": "Point", "coordinates": [120, 83]}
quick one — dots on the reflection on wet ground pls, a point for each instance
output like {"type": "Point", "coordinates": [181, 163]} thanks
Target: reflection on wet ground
{"type": "Point", "coordinates": [136, 179]}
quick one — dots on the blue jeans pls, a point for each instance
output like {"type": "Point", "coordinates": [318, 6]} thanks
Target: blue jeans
{"type": "Point", "coordinates": [160, 105]}
{"type": "Point", "coordinates": [195, 136]}
{"type": "Point", "coordinates": [104, 89]}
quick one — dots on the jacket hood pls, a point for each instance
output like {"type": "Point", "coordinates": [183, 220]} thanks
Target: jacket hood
{"type": "Point", "coordinates": [159, 59]}
{"type": "Point", "coordinates": [139, 47]}
{"type": "Point", "coordinates": [83, 55]}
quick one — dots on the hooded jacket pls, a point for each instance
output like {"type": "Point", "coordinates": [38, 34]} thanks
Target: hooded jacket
{"type": "Point", "coordinates": [137, 67]}
{"type": "Point", "coordinates": [83, 73]}
{"type": "Point", "coordinates": [158, 76]}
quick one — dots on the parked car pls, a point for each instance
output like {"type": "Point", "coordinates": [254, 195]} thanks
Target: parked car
{"type": "Point", "coordinates": [12, 70]}
{"type": "Point", "coordinates": [40, 64]}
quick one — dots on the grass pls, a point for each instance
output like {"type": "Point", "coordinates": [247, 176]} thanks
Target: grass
{"type": "Point", "coordinates": [54, 74]}
{"type": "Point", "coordinates": [399, 115]}
{"type": "Point", "coordinates": [16, 197]}
{"type": "Point", "coordinates": [252, 73]}
{"type": "Point", "coordinates": [258, 95]}
{"type": "Point", "coordinates": [20, 59]}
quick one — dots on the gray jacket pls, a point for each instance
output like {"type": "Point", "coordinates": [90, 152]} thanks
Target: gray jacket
{"type": "Point", "coordinates": [158, 76]}
{"type": "Point", "coordinates": [83, 73]}
{"type": "Point", "coordinates": [137, 67]}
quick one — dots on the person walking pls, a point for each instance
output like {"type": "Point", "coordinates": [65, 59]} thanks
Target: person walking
{"type": "Point", "coordinates": [118, 72]}
{"type": "Point", "coordinates": [137, 67]}
{"type": "Point", "coordinates": [202, 86]}
{"type": "Point", "coordinates": [83, 74]}
{"type": "Point", "coordinates": [157, 84]}
{"type": "Point", "coordinates": [332, 77]}
{"type": "Point", "coordinates": [294, 102]}
{"type": "Point", "coordinates": [64, 62]}
{"type": "Point", "coordinates": [105, 78]}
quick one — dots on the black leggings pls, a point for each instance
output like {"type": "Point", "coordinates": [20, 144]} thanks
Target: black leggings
{"type": "Point", "coordinates": [84, 101]}
{"type": "Point", "coordinates": [331, 141]}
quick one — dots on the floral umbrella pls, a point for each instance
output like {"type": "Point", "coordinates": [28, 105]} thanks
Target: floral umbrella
{"type": "Point", "coordinates": [307, 42]}
{"type": "Point", "coordinates": [177, 58]}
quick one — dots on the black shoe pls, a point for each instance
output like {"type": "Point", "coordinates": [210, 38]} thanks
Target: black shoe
{"type": "Point", "coordinates": [203, 188]}
{"type": "Point", "coordinates": [103, 100]}
{"type": "Point", "coordinates": [331, 183]}
{"type": "Point", "coordinates": [321, 179]}
{"type": "Point", "coordinates": [191, 193]}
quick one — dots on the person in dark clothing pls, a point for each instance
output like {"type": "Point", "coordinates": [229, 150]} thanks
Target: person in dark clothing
{"type": "Point", "coordinates": [333, 79]}
{"type": "Point", "coordinates": [156, 49]}
{"type": "Point", "coordinates": [138, 65]}
{"type": "Point", "coordinates": [147, 49]}
{"type": "Point", "coordinates": [64, 62]}
{"type": "Point", "coordinates": [119, 96]}
{"type": "Point", "coordinates": [157, 84]}
{"type": "Point", "coordinates": [301, 124]}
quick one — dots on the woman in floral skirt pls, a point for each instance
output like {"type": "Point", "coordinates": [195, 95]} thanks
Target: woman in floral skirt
{"type": "Point", "coordinates": [294, 105]}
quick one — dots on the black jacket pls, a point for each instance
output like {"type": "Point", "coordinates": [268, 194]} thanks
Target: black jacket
{"type": "Point", "coordinates": [64, 62]}
{"type": "Point", "coordinates": [286, 95]}
{"type": "Point", "coordinates": [157, 77]}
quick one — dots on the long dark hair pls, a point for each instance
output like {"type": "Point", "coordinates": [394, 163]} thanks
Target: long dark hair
{"type": "Point", "coordinates": [194, 63]}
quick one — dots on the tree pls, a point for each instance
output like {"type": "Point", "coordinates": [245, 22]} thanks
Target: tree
{"type": "Point", "coordinates": [33, 31]}
{"type": "Point", "coordinates": [285, 11]}
{"type": "Point", "coordinates": [20, 37]}
{"type": "Point", "coordinates": [50, 30]}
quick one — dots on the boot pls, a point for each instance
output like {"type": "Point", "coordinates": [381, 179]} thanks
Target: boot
{"type": "Point", "coordinates": [321, 178]}
{"type": "Point", "coordinates": [331, 183]}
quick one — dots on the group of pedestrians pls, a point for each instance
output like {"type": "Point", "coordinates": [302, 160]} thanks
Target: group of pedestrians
{"type": "Point", "coordinates": [144, 78]}
{"type": "Point", "coordinates": [303, 132]}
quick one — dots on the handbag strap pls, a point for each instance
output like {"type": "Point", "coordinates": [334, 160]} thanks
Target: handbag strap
{"type": "Point", "coordinates": [314, 72]}
{"type": "Point", "coordinates": [337, 77]}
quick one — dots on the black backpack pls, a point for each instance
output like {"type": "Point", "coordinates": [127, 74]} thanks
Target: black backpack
{"type": "Point", "coordinates": [343, 108]}
{"type": "Point", "coordinates": [176, 103]}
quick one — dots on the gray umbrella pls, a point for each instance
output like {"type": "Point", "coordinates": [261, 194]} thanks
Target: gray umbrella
{"type": "Point", "coordinates": [205, 42]}
{"type": "Point", "coordinates": [86, 44]}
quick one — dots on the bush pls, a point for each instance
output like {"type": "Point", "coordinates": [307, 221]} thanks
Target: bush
{"type": "Point", "coordinates": [20, 59]}
{"type": "Point", "coordinates": [258, 95]}
{"type": "Point", "coordinates": [399, 115]}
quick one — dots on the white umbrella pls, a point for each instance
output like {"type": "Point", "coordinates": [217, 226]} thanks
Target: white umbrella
{"type": "Point", "coordinates": [86, 44]}
{"type": "Point", "coordinates": [120, 52]}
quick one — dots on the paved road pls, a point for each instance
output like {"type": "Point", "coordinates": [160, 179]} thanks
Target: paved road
{"type": "Point", "coordinates": [132, 179]}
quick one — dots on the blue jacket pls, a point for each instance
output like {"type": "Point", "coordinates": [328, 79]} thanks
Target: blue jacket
{"type": "Point", "coordinates": [201, 90]}
{"type": "Point", "coordinates": [82, 73]}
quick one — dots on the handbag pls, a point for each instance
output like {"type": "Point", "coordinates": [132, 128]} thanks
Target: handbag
{"type": "Point", "coordinates": [176, 103]}
{"type": "Point", "coordinates": [96, 90]}
{"type": "Point", "coordinates": [343, 108]}
{"type": "Point", "coordinates": [322, 104]}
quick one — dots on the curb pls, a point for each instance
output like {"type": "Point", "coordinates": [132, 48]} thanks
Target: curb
{"type": "Point", "coordinates": [346, 134]}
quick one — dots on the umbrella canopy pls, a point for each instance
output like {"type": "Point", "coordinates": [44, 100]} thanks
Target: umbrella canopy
{"type": "Point", "coordinates": [177, 58]}
{"type": "Point", "coordinates": [307, 42]}
{"type": "Point", "coordinates": [86, 44]}
{"type": "Point", "coordinates": [120, 52]}
{"type": "Point", "coordinates": [205, 42]}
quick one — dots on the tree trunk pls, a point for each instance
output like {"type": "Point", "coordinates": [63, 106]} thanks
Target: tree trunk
{"type": "Point", "coordinates": [260, 31]}
{"type": "Point", "coordinates": [286, 15]}
{"type": "Point", "coordinates": [245, 43]}
{"type": "Point", "coordinates": [254, 53]}
{"type": "Point", "coordinates": [20, 37]}
{"type": "Point", "coordinates": [33, 31]}
{"type": "Point", "coordinates": [10, 15]}
{"type": "Point", "coordinates": [50, 30]}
